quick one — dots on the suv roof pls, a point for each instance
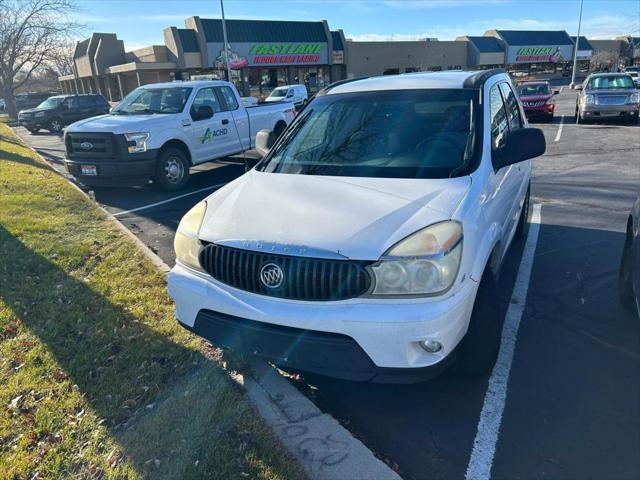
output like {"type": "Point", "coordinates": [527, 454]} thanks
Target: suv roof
{"type": "Point", "coordinates": [450, 79]}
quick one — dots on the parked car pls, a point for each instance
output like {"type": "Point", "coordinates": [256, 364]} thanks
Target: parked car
{"type": "Point", "coordinates": [629, 276]}
{"type": "Point", "coordinates": [25, 101]}
{"type": "Point", "coordinates": [607, 96]}
{"type": "Point", "coordinates": [159, 131]}
{"type": "Point", "coordinates": [56, 112]}
{"type": "Point", "coordinates": [635, 74]}
{"type": "Point", "coordinates": [366, 243]}
{"type": "Point", "coordinates": [538, 100]}
{"type": "Point", "coordinates": [290, 93]}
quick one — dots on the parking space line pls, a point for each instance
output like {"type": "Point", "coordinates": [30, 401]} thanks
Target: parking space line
{"type": "Point", "coordinates": [559, 129]}
{"type": "Point", "coordinates": [484, 444]}
{"type": "Point", "coordinates": [151, 205]}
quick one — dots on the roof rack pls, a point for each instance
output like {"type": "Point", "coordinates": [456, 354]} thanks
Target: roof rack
{"type": "Point", "coordinates": [326, 89]}
{"type": "Point", "coordinates": [477, 80]}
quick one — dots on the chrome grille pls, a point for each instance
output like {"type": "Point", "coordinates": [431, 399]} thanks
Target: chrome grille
{"type": "Point", "coordinates": [612, 99]}
{"type": "Point", "coordinates": [305, 278]}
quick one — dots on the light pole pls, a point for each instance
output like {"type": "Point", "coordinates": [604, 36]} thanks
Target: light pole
{"type": "Point", "coordinates": [575, 49]}
{"type": "Point", "coordinates": [226, 46]}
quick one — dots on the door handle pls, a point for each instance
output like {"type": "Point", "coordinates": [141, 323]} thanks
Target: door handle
{"type": "Point", "coordinates": [185, 122]}
{"type": "Point", "coordinates": [225, 121]}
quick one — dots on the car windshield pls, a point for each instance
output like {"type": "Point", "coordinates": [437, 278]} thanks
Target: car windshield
{"type": "Point", "coordinates": [534, 89]}
{"type": "Point", "coordinates": [610, 82]}
{"type": "Point", "coordinates": [51, 102]}
{"type": "Point", "coordinates": [279, 92]}
{"type": "Point", "coordinates": [153, 100]}
{"type": "Point", "coordinates": [391, 134]}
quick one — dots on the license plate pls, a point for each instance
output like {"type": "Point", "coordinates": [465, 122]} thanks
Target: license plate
{"type": "Point", "coordinates": [89, 170]}
{"type": "Point", "coordinates": [609, 114]}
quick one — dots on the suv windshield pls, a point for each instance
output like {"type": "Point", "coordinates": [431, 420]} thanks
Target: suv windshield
{"type": "Point", "coordinates": [153, 100]}
{"type": "Point", "coordinates": [534, 89]}
{"type": "Point", "coordinates": [393, 134]}
{"type": "Point", "coordinates": [609, 82]}
{"type": "Point", "coordinates": [51, 102]}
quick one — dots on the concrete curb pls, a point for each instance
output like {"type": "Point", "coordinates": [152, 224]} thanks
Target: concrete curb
{"type": "Point", "coordinates": [323, 447]}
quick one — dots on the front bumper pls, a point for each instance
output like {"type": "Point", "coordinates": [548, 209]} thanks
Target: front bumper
{"type": "Point", "coordinates": [33, 122]}
{"type": "Point", "coordinates": [546, 110]}
{"type": "Point", "coordinates": [629, 110]}
{"type": "Point", "coordinates": [358, 339]}
{"type": "Point", "coordinates": [136, 170]}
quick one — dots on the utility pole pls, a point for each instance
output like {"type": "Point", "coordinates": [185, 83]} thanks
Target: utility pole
{"type": "Point", "coordinates": [575, 49]}
{"type": "Point", "coordinates": [226, 45]}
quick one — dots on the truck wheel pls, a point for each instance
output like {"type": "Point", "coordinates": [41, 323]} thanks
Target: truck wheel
{"type": "Point", "coordinates": [33, 130]}
{"type": "Point", "coordinates": [478, 350]}
{"type": "Point", "coordinates": [279, 129]}
{"type": "Point", "coordinates": [55, 125]}
{"type": "Point", "coordinates": [172, 170]}
{"type": "Point", "coordinates": [523, 222]}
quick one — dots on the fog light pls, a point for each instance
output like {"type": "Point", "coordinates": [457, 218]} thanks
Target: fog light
{"type": "Point", "coordinates": [431, 346]}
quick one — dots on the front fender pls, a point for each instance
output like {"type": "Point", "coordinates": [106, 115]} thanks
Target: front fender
{"type": "Point", "coordinates": [484, 251]}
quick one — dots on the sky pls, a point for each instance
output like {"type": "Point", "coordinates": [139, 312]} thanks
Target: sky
{"type": "Point", "coordinates": [140, 22]}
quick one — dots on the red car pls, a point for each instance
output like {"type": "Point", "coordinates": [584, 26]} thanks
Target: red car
{"type": "Point", "coordinates": [537, 99]}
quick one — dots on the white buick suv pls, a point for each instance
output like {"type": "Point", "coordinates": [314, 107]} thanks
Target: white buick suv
{"type": "Point", "coordinates": [366, 243]}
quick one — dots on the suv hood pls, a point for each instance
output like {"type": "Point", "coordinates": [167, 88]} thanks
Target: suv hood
{"type": "Point", "coordinates": [35, 110]}
{"type": "Point", "coordinates": [119, 123]}
{"type": "Point", "coordinates": [359, 218]}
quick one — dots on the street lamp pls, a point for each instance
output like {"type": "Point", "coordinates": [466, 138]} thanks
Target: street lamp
{"type": "Point", "coordinates": [575, 49]}
{"type": "Point", "coordinates": [226, 45]}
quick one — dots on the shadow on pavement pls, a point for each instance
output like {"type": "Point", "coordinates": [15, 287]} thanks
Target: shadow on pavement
{"type": "Point", "coordinates": [570, 394]}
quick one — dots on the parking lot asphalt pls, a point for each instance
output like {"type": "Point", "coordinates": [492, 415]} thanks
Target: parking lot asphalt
{"type": "Point", "coordinates": [572, 406]}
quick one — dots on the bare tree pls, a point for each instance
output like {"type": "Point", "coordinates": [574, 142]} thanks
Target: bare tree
{"type": "Point", "coordinates": [61, 61]}
{"type": "Point", "coordinates": [31, 31]}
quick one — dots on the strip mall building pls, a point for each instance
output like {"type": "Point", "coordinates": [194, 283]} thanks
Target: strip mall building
{"type": "Point", "coordinates": [266, 54]}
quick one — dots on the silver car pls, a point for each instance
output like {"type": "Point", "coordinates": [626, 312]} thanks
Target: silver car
{"type": "Point", "coordinates": [608, 96]}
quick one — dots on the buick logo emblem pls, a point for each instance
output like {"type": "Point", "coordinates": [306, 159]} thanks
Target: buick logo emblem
{"type": "Point", "coordinates": [86, 145]}
{"type": "Point", "coordinates": [271, 275]}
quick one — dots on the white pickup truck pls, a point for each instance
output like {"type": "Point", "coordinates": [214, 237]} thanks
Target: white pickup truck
{"type": "Point", "coordinates": [158, 131]}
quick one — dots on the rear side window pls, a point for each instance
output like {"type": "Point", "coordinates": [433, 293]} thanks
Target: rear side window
{"type": "Point", "coordinates": [229, 98]}
{"type": "Point", "coordinates": [86, 102]}
{"type": "Point", "coordinates": [498, 116]}
{"type": "Point", "coordinates": [71, 102]}
{"type": "Point", "coordinates": [513, 110]}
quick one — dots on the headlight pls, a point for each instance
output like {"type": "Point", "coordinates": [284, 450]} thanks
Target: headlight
{"type": "Point", "coordinates": [186, 243]}
{"type": "Point", "coordinates": [39, 114]}
{"type": "Point", "coordinates": [634, 98]}
{"type": "Point", "coordinates": [137, 142]}
{"type": "Point", "coordinates": [551, 101]}
{"type": "Point", "coordinates": [425, 263]}
{"type": "Point", "coordinates": [589, 99]}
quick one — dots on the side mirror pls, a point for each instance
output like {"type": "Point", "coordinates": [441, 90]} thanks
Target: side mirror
{"type": "Point", "coordinates": [556, 91]}
{"type": "Point", "coordinates": [264, 141]}
{"type": "Point", "coordinates": [202, 113]}
{"type": "Point", "coordinates": [578, 87]}
{"type": "Point", "coordinates": [521, 145]}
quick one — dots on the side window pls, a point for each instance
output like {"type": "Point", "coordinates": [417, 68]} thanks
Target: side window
{"type": "Point", "coordinates": [513, 110]}
{"type": "Point", "coordinates": [71, 102]}
{"type": "Point", "coordinates": [499, 123]}
{"type": "Point", "coordinates": [206, 96]}
{"type": "Point", "coordinates": [86, 102]}
{"type": "Point", "coordinates": [229, 97]}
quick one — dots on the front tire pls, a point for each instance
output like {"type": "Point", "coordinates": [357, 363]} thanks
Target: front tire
{"type": "Point", "coordinates": [172, 170]}
{"type": "Point", "coordinates": [523, 221]}
{"type": "Point", "coordinates": [33, 131]}
{"type": "Point", "coordinates": [478, 350]}
{"type": "Point", "coordinates": [625, 281]}
{"type": "Point", "coordinates": [55, 125]}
